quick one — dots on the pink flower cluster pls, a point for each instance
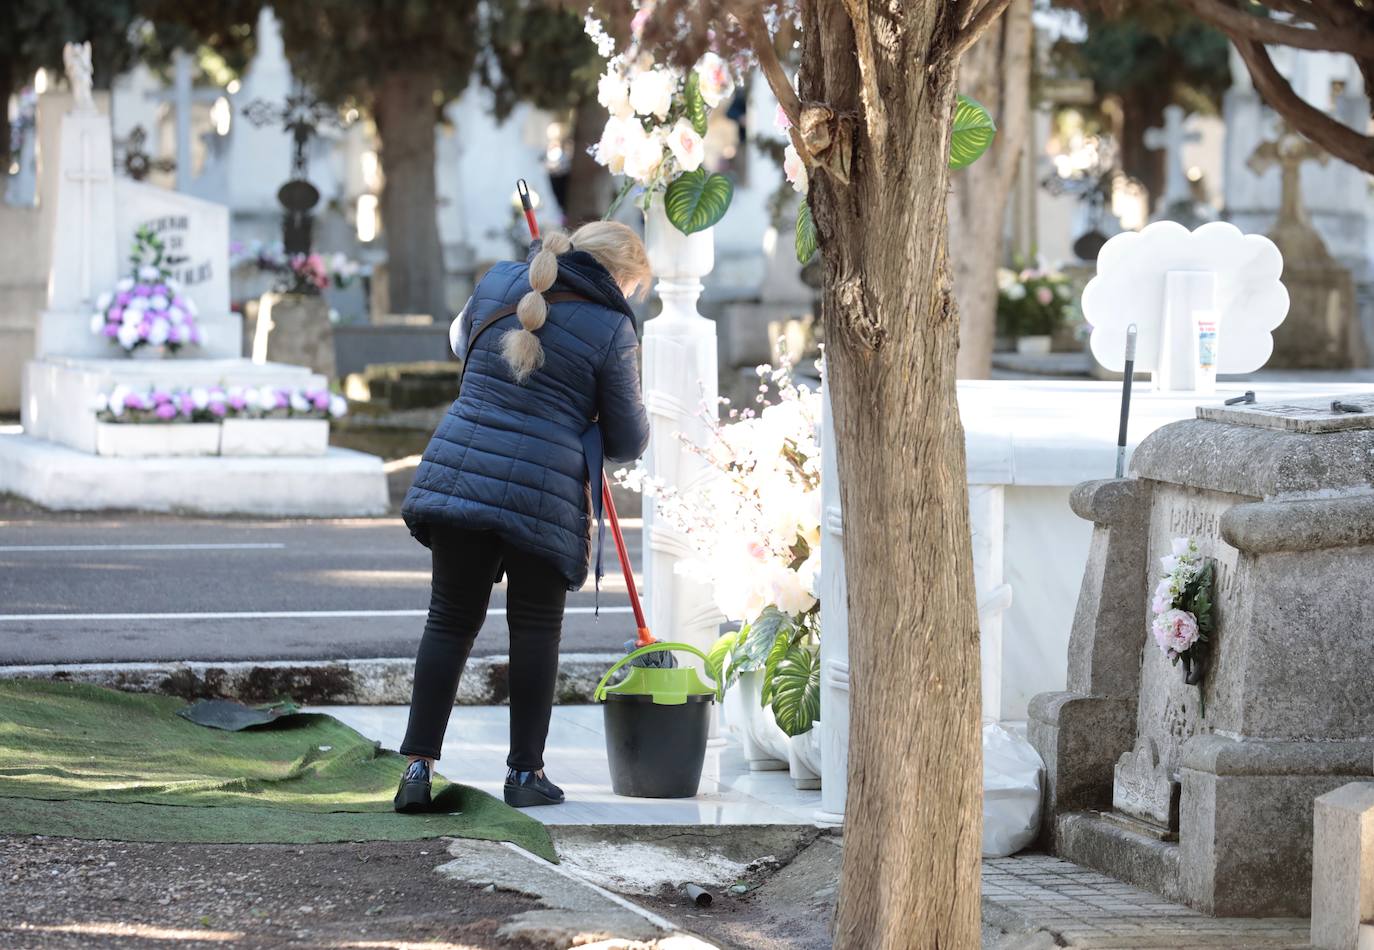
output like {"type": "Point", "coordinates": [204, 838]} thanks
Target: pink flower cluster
{"type": "Point", "coordinates": [310, 269]}
{"type": "Point", "coordinates": [147, 309]}
{"type": "Point", "coordinates": [1175, 630]}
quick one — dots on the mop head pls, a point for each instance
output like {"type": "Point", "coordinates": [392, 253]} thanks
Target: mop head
{"type": "Point", "coordinates": [662, 660]}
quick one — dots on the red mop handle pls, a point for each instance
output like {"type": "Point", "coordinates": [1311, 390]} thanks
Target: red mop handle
{"type": "Point", "coordinates": [523, 190]}
{"type": "Point", "coordinates": [645, 638]}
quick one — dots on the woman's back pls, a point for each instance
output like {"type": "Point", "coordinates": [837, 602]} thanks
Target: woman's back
{"type": "Point", "coordinates": [515, 457]}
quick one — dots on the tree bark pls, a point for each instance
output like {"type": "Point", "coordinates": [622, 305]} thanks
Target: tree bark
{"type": "Point", "coordinates": [6, 91]}
{"type": "Point", "coordinates": [914, 808]}
{"type": "Point", "coordinates": [996, 71]}
{"type": "Point", "coordinates": [1141, 110]}
{"type": "Point", "coordinates": [403, 108]}
{"type": "Point", "coordinates": [589, 184]}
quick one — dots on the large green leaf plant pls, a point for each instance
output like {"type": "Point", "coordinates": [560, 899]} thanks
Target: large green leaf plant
{"type": "Point", "coordinates": [786, 649]}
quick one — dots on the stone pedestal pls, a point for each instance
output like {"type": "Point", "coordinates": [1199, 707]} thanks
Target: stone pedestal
{"type": "Point", "coordinates": [1281, 499]}
{"type": "Point", "coordinates": [1343, 868]}
{"type": "Point", "coordinates": [295, 328]}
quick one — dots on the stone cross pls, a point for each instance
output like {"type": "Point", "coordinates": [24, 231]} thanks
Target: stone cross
{"type": "Point", "coordinates": [1288, 151]}
{"type": "Point", "coordinates": [76, 57]}
{"type": "Point", "coordinates": [181, 98]}
{"type": "Point", "coordinates": [86, 174]}
{"type": "Point", "coordinates": [1171, 140]}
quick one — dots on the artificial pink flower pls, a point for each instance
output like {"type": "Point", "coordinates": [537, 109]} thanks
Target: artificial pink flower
{"type": "Point", "coordinates": [1175, 631]}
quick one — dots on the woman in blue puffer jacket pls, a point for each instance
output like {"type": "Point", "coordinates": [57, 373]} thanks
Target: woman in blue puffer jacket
{"type": "Point", "coordinates": [511, 481]}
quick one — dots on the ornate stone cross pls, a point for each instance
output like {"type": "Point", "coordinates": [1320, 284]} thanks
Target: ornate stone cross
{"type": "Point", "coordinates": [1171, 140]}
{"type": "Point", "coordinates": [1288, 151]}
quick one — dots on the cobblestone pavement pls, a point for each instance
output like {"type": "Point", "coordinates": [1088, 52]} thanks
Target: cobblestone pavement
{"type": "Point", "coordinates": [1038, 901]}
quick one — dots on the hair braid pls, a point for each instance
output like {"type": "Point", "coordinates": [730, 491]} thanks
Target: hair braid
{"type": "Point", "coordinates": [521, 348]}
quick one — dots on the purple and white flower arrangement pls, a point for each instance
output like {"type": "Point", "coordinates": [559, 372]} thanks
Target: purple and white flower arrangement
{"type": "Point", "coordinates": [147, 308]}
{"type": "Point", "coordinates": [1182, 608]}
{"type": "Point", "coordinates": [216, 403]}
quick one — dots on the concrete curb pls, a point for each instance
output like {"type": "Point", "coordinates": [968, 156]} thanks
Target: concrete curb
{"type": "Point", "coordinates": [371, 682]}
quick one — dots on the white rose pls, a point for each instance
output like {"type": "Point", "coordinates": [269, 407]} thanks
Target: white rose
{"type": "Point", "coordinates": [1016, 291]}
{"type": "Point", "coordinates": [686, 146]}
{"type": "Point", "coordinates": [128, 335]}
{"type": "Point", "coordinates": [101, 402]}
{"type": "Point", "coordinates": [299, 403]}
{"type": "Point", "coordinates": [97, 323]}
{"type": "Point", "coordinates": [714, 79]}
{"type": "Point", "coordinates": [102, 303]}
{"type": "Point", "coordinates": [790, 593]}
{"type": "Point", "coordinates": [267, 397]}
{"type": "Point", "coordinates": [148, 272]}
{"type": "Point", "coordinates": [338, 406]}
{"type": "Point", "coordinates": [613, 92]}
{"type": "Point", "coordinates": [251, 398]}
{"type": "Point", "coordinates": [200, 397]}
{"type": "Point", "coordinates": [615, 139]}
{"type": "Point", "coordinates": [176, 315]}
{"type": "Point", "coordinates": [125, 284]}
{"type": "Point", "coordinates": [651, 92]}
{"type": "Point", "coordinates": [135, 306]}
{"type": "Point", "coordinates": [157, 333]}
{"type": "Point", "coordinates": [795, 169]}
{"type": "Point", "coordinates": [158, 302]}
{"type": "Point", "coordinates": [644, 156]}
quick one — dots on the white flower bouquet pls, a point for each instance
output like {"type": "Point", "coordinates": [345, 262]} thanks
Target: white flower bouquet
{"type": "Point", "coordinates": [148, 307]}
{"type": "Point", "coordinates": [1182, 608]}
{"type": "Point", "coordinates": [655, 133]}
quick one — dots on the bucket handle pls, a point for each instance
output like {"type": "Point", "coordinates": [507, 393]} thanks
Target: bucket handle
{"type": "Point", "coordinates": [656, 647]}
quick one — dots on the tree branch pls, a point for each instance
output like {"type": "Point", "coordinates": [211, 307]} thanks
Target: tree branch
{"type": "Point", "coordinates": [874, 108]}
{"type": "Point", "coordinates": [749, 16]}
{"type": "Point", "coordinates": [987, 13]}
{"type": "Point", "coordinates": [1242, 26]}
{"type": "Point", "coordinates": [1337, 138]}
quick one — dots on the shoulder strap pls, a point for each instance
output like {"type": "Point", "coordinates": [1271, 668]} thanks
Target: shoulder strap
{"type": "Point", "coordinates": [561, 296]}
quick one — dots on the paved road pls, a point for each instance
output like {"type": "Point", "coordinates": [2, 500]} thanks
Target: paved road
{"type": "Point", "coordinates": [159, 588]}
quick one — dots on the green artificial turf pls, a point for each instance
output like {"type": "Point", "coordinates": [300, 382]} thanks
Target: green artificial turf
{"type": "Point", "coordinates": [87, 762]}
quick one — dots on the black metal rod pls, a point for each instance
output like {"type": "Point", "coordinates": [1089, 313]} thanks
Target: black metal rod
{"type": "Point", "coordinates": [1125, 401]}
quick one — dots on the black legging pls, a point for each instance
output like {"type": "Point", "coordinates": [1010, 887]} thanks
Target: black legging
{"type": "Point", "coordinates": [465, 564]}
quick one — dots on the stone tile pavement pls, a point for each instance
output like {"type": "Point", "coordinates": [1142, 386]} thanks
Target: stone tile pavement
{"type": "Point", "coordinates": [1035, 901]}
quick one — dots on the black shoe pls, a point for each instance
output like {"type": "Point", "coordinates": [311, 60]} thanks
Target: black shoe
{"type": "Point", "coordinates": [524, 789]}
{"type": "Point", "coordinates": [413, 793]}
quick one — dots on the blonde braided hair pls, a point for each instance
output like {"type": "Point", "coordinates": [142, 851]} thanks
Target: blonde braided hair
{"type": "Point", "coordinates": [618, 249]}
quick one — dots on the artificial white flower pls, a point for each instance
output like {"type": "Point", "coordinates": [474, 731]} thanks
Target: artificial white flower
{"type": "Point", "coordinates": [158, 302]}
{"type": "Point", "coordinates": [789, 593]}
{"type": "Point", "coordinates": [124, 285]}
{"type": "Point", "coordinates": [176, 315]}
{"type": "Point", "coordinates": [686, 146]}
{"type": "Point", "coordinates": [148, 272]}
{"type": "Point", "coordinates": [338, 406]}
{"type": "Point", "coordinates": [101, 402]}
{"type": "Point", "coordinates": [102, 303]}
{"type": "Point", "coordinates": [644, 156]}
{"type": "Point", "coordinates": [251, 397]}
{"type": "Point", "coordinates": [158, 332]}
{"type": "Point", "coordinates": [615, 142]}
{"type": "Point", "coordinates": [98, 323]}
{"type": "Point", "coordinates": [795, 169]}
{"type": "Point", "coordinates": [1016, 291]}
{"type": "Point", "coordinates": [714, 79]}
{"type": "Point", "coordinates": [267, 397]}
{"type": "Point", "coordinates": [128, 335]}
{"type": "Point", "coordinates": [613, 92]}
{"type": "Point", "coordinates": [651, 92]}
{"type": "Point", "coordinates": [200, 397]}
{"type": "Point", "coordinates": [298, 402]}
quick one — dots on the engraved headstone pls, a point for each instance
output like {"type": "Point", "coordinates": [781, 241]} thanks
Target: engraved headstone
{"type": "Point", "coordinates": [1279, 500]}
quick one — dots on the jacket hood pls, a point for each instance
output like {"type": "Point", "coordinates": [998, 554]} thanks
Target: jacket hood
{"type": "Point", "coordinates": [582, 274]}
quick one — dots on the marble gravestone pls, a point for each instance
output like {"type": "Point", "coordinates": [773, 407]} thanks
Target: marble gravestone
{"type": "Point", "coordinates": [1214, 808]}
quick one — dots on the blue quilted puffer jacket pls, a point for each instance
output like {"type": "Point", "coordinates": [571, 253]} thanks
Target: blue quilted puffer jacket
{"type": "Point", "coordinates": [525, 461]}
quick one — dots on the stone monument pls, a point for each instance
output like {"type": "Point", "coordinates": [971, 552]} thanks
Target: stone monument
{"type": "Point", "coordinates": [1177, 203]}
{"type": "Point", "coordinates": [1204, 793]}
{"type": "Point", "coordinates": [57, 461]}
{"type": "Point", "coordinates": [1321, 331]}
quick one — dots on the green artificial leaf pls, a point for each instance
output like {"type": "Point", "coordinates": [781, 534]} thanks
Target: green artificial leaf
{"type": "Point", "coordinates": [785, 640]}
{"type": "Point", "coordinates": [797, 690]}
{"type": "Point", "coordinates": [972, 135]}
{"type": "Point", "coordinates": [756, 640]}
{"type": "Point", "coordinates": [806, 234]}
{"type": "Point", "coordinates": [697, 110]}
{"type": "Point", "coordinates": [718, 655]}
{"type": "Point", "coordinates": [696, 200]}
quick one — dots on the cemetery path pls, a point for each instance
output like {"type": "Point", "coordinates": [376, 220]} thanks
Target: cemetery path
{"type": "Point", "coordinates": [125, 588]}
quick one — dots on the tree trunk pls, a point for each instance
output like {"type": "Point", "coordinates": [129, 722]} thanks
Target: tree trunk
{"type": "Point", "coordinates": [6, 91]}
{"type": "Point", "coordinates": [404, 111]}
{"type": "Point", "coordinates": [996, 71]}
{"type": "Point", "coordinates": [589, 184]}
{"type": "Point", "coordinates": [914, 808]}
{"type": "Point", "coordinates": [1142, 109]}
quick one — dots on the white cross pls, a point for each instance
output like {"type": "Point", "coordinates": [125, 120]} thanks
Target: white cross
{"type": "Point", "coordinates": [86, 175]}
{"type": "Point", "coordinates": [1171, 139]}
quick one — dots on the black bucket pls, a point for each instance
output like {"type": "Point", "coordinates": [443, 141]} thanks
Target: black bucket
{"type": "Point", "coordinates": [654, 750]}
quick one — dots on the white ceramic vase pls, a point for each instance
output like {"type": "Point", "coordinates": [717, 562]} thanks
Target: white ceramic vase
{"type": "Point", "coordinates": [766, 747]}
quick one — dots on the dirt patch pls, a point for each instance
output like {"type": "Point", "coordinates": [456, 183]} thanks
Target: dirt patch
{"type": "Point", "coordinates": [61, 893]}
{"type": "Point", "coordinates": [789, 909]}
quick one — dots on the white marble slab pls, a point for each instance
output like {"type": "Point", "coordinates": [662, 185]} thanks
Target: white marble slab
{"type": "Point", "coordinates": [474, 753]}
